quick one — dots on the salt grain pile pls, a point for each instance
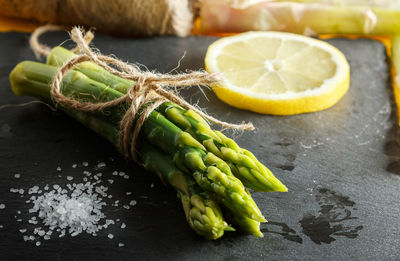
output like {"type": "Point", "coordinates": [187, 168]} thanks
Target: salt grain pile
{"type": "Point", "coordinates": [73, 209]}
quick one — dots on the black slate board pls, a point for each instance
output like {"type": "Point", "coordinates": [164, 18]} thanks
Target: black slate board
{"type": "Point", "coordinates": [340, 165]}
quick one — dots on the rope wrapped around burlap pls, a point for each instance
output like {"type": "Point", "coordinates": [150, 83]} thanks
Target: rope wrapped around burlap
{"type": "Point", "coordinates": [148, 92]}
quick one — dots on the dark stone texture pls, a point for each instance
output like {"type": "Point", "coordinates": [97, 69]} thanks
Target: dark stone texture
{"type": "Point", "coordinates": [340, 165]}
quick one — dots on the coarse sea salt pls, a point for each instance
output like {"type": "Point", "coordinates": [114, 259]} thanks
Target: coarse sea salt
{"type": "Point", "coordinates": [70, 209]}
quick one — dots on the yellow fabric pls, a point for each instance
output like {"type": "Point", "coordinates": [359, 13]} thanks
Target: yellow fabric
{"type": "Point", "coordinates": [12, 24]}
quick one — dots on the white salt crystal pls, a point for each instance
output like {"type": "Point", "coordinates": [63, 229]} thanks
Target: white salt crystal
{"type": "Point", "coordinates": [1, 226]}
{"type": "Point", "coordinates": [126, 177]}
{"type": "Point", "coordinates": [152, 185]}
{"type": "Point", "coordinates": [115, 173]}
{"type": "Point", "coordinates": [74, 166]}
{"type": "Point", "coordinates": [17, 175]}
{"type": "Point", "coordinates": [101, 165]}
{"type": "Point", "coordinates": [69, 178]}
{"type": "Point", "coordinates": [121, 173]}
{"type": "Point", "coordinates": [38, 243]}
{"type": "Point", "coordinates": [85, 164]}
{"type": "Point", "coordinates": [74, 211]}
{"type": "Point", "coordinates": [19, 212]}
{"type": "Point", "coordinates": [126, 206]}
{"type": "Point", "coordinates": [21, 191]}
{"type": "Point", "coordinates": [128, 193]}
{"type": "Point", "coordinates": [2, 206]}
{"type": "Point", "coordinates": [110, 236]}
{"type": "Point", "coordinates": [75, 234]}
{"type": "Point", "coordinates": [58, 168]}
{"type": "Point", "coordinates": [22, 230]}
{"type": "Point", "coordinates": [132, 203]}
{"type": "Point", "coordinates": [121, 244]}
{"type": "Point", "coordinates": [110, 181]}
{"type": "Point", "coordinates": [123, 225]}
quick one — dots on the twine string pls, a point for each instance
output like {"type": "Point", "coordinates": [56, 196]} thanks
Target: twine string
{"type": "Point", "coordinates": [147, 93]}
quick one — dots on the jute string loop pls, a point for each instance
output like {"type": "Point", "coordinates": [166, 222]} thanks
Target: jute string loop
{"type": "Point", "coordinates": [147, 93]}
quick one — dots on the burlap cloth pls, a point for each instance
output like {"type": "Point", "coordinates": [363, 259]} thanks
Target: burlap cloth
{"type": "Point", "coordinates": [120, 17]}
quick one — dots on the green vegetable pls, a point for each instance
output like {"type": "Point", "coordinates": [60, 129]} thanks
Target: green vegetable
{"type": "Point", "coordinates": [202, 212]}
{"type": "Point", "coordinates": [211, 173]}
{"type": "Point", "coordinates": [243, 163]}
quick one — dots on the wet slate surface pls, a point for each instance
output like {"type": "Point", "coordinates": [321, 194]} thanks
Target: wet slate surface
{"type": "Point", "coordinates": [341, 166]}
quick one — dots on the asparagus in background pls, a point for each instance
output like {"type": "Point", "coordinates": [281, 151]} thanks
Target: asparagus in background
{"type": "Point", "coordinates": [31, 78]}
{"type": "Point", "coordinates": [395, 59]}
{"type": "Point", "coordinates": [243, 163]}
{"type": "Point", "coordinates": [303, 17]}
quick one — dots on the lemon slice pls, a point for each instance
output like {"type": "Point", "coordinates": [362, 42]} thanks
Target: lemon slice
{"type": "Point", "coordinates": [278, 73]}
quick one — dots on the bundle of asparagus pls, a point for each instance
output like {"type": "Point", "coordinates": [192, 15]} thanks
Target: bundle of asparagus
{"type": "Point", "coordinates": [204, 166]}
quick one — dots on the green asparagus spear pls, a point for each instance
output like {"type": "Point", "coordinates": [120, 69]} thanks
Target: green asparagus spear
{"type": "Point", "coordinates": [211, 173]}
{"type": "Point", "coordinates": [244, 224]}
{"type": "Point", "coordinates": [243, 163]}
{"type": "Point", "coordinates": [202, 212]}
{"type": "Point", "coordinates": [59, 55]}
